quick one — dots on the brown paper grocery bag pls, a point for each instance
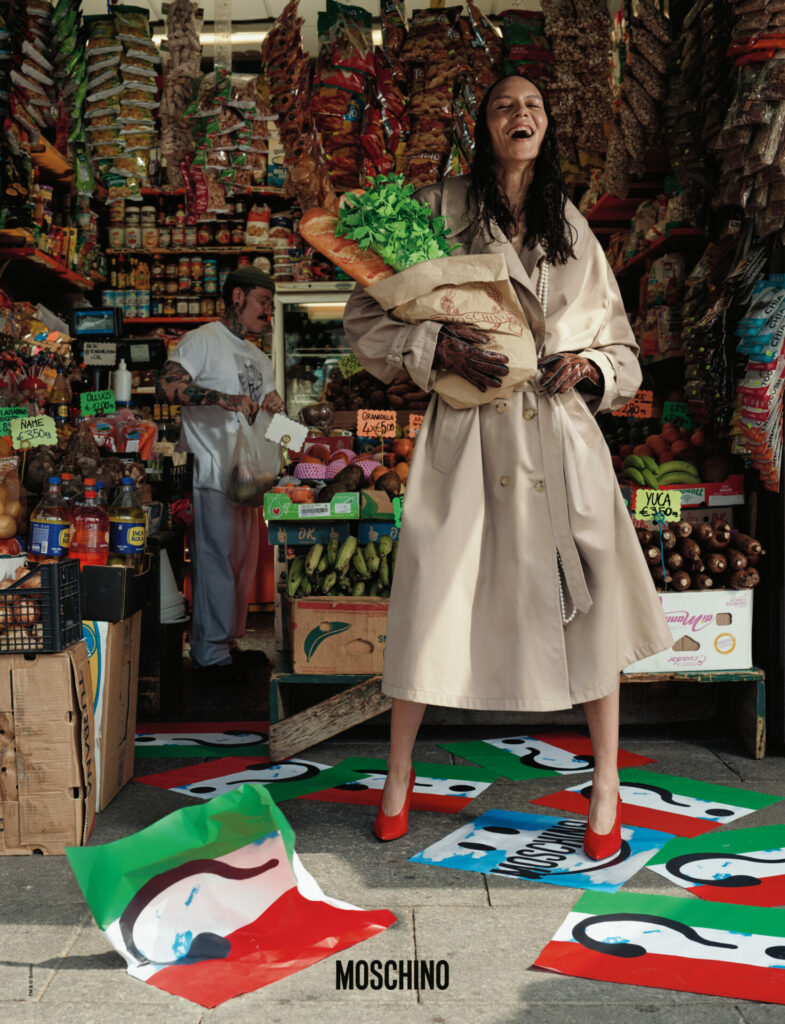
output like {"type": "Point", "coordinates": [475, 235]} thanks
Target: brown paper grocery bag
{"type": "Point", "coordinates": [473, 290]}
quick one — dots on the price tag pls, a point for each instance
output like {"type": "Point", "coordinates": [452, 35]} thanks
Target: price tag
{"type": "Point", "coordinates": [31, 431]}
{"type": "Point", "coordinates": [638, 408]}
{"type": "Point", "coordinates": [397, 504]}
{"type": "Point", "coordinates": [376, 422]}
{"type": "Point", "coordinates": [677, 413]}
{"type": "Point", "coordinates": [95, 403]}
{"type": "Point", "coordinates": [282, 427]}
{"type": "Point", "coordinates": [349, 365]}
{"type": "Point", "coordinates": [99, 353]}
{"type": "Point", "coordinates": [415, 422]}
{"type": "Point", "coordinates": [658, 505]}
{"type": "Point", "coordinates": [6, 415]}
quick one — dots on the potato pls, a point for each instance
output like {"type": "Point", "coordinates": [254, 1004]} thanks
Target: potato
{"type": "Point", "coordinates": [7, 526]}
{"type": "Point", "coordinates": [26, 611]}
{"type": "Point", "coordinates": [14, 509]}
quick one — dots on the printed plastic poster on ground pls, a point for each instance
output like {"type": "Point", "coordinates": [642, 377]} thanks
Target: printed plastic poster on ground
{"type": "Point", "coordinates": [284, 779]}
{"type": "Point", "coordinates": [672, 943]}
{"type": "Point", "coordinates": [212, 901]}
{"type": "Point", "coordinates": [745, 866]}
{"type": "Point", "coordinates": [669, 803]}
{"type": "Point", "coordinates": [531, 757]}
{"type": "Point", "coordinates": [437, 787]}
{"type": "Point", "coordinates": [202, 739]}
{"type": "Point", "coordinates": [542, 848]}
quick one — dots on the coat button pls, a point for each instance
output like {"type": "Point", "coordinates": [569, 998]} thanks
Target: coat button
{"type": "Point", "coordinates": [529, 414]}
{"type": "Point", "coordinates": [504, 481]}
{"type": "Point", "coordinates": [501, 405]}
{"type": "Point", "coordinates": [539, 485]}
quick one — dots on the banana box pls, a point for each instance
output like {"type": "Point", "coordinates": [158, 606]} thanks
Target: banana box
{"type": "Point", "coordinates": [711, 630]}
{"type": "Point", "coordinates": [337, 635]}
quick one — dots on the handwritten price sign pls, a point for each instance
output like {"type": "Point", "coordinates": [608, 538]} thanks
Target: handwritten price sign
{"type": "Point", "coordinates": [349, 365]}
{"type": "Point", "coordinates": [31, 431]}
{"type": "Point", "coordinates": [8, 414]}
{"type": "Point", "coordinates": [376, 422]}
{"type": "Point", "coordinates": [677, 413]}
{"type": "Point", "coordinates": [92, 402]}
{"type": "Point", "coordinates": [641, 407]}
{"type": "Point", "coordinates": [658, 505]}
{"type": "Point", "coordinates": [415, 422]}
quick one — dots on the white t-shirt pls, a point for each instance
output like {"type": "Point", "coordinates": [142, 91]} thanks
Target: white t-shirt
{"type": "Point", "coordinates": [218, 360]}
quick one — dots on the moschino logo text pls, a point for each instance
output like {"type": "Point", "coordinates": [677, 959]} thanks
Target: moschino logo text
{"type": "Point", "coordinates": [392, 974]}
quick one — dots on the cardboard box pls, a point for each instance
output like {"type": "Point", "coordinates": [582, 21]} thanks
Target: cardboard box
{"type": "Point", "coordinates": [711, 629]}
{"type": "Point", "coordinates": [47, 755]}
{"type": "Point", "coordinates": [113, 653]}
{"type": "Point", "coordinates": [337, 635]}
{"type": "Point", "coordinates": [113, 592]}
{"type": "Point", "coordinates": [376, 505]}
{"type": "Point", "coordinates": [341, 506]}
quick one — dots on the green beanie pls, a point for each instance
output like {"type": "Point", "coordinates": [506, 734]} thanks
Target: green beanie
{"type": "Point", "coordinates": [249, 277]}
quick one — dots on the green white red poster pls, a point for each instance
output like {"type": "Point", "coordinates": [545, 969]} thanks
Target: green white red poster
{"type": "Point", "coordinates": [745, 865]}
{"type": "Point", "coordinates": [202, 739]}
{"type": "Point", "coordinates": [532, 757]}
{"type": "Point", "coordinates": [212, 901]}
{"type": "Point", "coordinates": [447, 788]}
{"type": "Point", "coordinates": [672, 943]}
{"type": "Point", "coordinates": [285, 779]}
{"type": "Point", "coordinates": [668, 803]}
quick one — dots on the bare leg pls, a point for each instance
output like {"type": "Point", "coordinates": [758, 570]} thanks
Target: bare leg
{"type": "Point", "coordinates": [406, 719]}
{"type": "Point", "coordinates": [602, 717]}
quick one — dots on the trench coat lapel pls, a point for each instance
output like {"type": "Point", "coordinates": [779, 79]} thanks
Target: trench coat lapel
{"type": "Point", "coordinates": [456, 215]}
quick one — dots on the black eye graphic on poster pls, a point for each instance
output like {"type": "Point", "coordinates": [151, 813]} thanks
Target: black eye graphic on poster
{"type": "Point", "coordinates": [233, 737]}
{"type": "Point", "coordinates": [295, 771]}
{"type": "Point", "coordinates": [677, 865]}
{"type": "Point", "coordinates": [531, 759]}
{"type": "Point", "coordinates": [628, 950]}
{"type": "Point", "coordinates": [204, 945]}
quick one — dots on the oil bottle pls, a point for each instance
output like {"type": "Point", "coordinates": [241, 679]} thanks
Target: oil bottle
{"type": "Point", "coordinates": [49, 525]}
{"type": "Point", "coordinates": [90, 532]}
{"type": "Point", "coordinates": [60, 399]}
{"type": "Point", "coordinates": [127, 530]}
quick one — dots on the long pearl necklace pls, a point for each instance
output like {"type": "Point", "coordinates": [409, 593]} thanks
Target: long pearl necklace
{"type": "Point", "coordinates": [542, 295]}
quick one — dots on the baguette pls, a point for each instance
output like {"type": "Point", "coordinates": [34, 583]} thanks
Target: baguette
{"type": "Point", "coordinates": [317, 227]}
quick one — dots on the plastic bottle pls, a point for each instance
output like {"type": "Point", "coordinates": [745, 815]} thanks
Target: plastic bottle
{"type": "Point", "coordinates": [121, 385]}
{"type": "Point", "coordinates": [79, 493]}
{"type": "Point", "coordinates": [49, 525]}
{"type": "Point", "coordinates": [60, 399]}
{"type": "Point", "coordinates": [69, 491]}
{"type": "Point", "coordinates": [100, 493]}
{"type": "Point", "coordinates": [90, 532]}
{"type": "Point", "coordinates": [127, 528]}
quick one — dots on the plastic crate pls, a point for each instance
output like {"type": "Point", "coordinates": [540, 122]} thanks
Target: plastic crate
{"type": "Point", "coordinates": [45, 618]}
{"type": "Point", "coordinates": [168, 481]}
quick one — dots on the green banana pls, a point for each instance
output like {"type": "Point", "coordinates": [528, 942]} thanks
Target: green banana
{"type": "Point", "coordinates": [393, 559]}
{"type": "Point", "coordinates": [358, 563]}
{"type": "Point", "coordinates": [634, 462]}
{"type": "Point", "coordinates": [345, 553]}
{"type": "Point", "coordinates": [652, 480]}
{"type": "Point", "coordinates": [384, 572]}
{"type": "Point", "coordinates": [650, 464]}
{"type": "Point", "coordinates": [678, 466]}
{"type": "Point", "coordinates": [358, 589]}
{"type": "Point", "coordinates": [313, 558]}
{"type": "Point", "coordinates": [684, 479]}
{"type": "Point", "coordinates": [295, 575]}
{"type": "Point", "coordinates": [371, 557]}
{"type": "Point", "coordinates": [329, 581]}
{"type": "Point", "coordinates": [385, 545]}
{"type": "Point", "coordinates": [323, 564]}
{"type": "Point", "coordinates": [373, 589]}
{"type": "Point", "coordinates": [307, 587]}
{"type": "Point", "coordinates": [332, 552]}
{"type": "Point", "coordinates": [635, 475]}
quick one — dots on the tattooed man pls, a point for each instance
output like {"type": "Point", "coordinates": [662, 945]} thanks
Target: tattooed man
{"type": "Point", "coordinates": [217, 375]}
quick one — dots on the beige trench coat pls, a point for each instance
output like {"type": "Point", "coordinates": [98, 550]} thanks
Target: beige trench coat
{"type": "Point", "coordinates": [495, 492]}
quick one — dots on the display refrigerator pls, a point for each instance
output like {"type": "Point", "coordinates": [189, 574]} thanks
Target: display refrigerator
{"type": "Point", "coordinates": [308, 338]}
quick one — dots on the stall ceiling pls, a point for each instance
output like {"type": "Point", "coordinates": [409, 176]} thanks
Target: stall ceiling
{"type": "Point", "coordinates": [249, 14]}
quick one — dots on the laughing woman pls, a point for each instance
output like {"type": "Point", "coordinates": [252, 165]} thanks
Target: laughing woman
{"type": "Point", "coordinates": [520, 584]}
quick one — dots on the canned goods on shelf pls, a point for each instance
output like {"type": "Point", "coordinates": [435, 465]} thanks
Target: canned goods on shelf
{"type": "Point", "coordinates": [204, 234]}
{"type": "Point", "coordinates": [193, 306]}
{"type": "Point", "coordinates": [164, 238]}
{"type": "Point", "coordinates": [133, 236]}
{"type": "Point", "coordinates": [189, 236]}
{"type": "Point", "coordinates": [109, 297]}
{"type": "Point", "coordinates": [117, 236]}
{"type": "Point", "coordinates": [172, 286]}
{"type": "Point", "coordinates": [207, 307]}
{"type": "Point", "coordinates": [150, 237]}
{"type": "Point", "coordinates": [181, 306]}
{"type": "Point", "coordinates": [178, 237]}
{"type": "Point", "coordinates": [169, 308]}
{"type": "Point", "coordinates": [156, 306]}
{"type": "Point", "coordinates": [148, 216]}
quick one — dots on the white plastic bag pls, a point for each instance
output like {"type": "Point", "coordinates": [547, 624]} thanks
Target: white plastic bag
{"type": "Point", "coordinates": [256, 462]}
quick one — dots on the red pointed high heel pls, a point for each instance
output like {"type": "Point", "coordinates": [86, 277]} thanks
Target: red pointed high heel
{"type": "Point", "coordinates": [600, 846]}
{"type": "Point", "coordinates": [393, 826]}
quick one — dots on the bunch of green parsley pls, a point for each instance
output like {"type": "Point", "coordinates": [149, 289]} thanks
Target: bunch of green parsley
{"type": "Point", "coordinates": [388, 219]}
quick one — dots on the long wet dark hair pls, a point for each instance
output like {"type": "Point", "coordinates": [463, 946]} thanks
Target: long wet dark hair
{"type": "Point", "coordinates": [545, 202]}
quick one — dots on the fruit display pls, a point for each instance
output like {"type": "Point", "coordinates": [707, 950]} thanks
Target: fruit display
{"type": "Point", "coordinates": [346, 567]}
{"type": "Point", "coordinates": [667, 457]}
{"type": "Point", "coordinates": [364, 391]}
{"type": "Point", "coordinates": [382, 467]}
{"type": "Point", "coordinates": [700, 556]}
{"type": "Point", "coordinates": [645, 471]}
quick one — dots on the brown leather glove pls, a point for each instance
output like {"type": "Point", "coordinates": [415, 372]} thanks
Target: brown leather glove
{"type": "Point", "coordinates": [563, 372]}
{"type": "Point", "coordinates": [458, 351]}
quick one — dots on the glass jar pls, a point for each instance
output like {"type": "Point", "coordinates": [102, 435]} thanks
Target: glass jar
{"type": "Point", "coordinates": [223, 234]}
{"type": "Point", "coordinates": [117, 236]}
{"type": "Point", "coordinates": [190, 236]}
{"type": "Point", "coordinates": [238, 233]}
{"type": "Point", "coordinates": [206, 306]}
{"type": "Point", "coordinates": [133, 236]}
{"type": "Point", "coordinates": [181, 306]}
{"type": "Point", "coordinates": [172, 286]}
{"type": "Point", "coordinates": [204, 234]}
{"type": "Point", "coordinates": [164, 238]}
{"type": "Point", "coordinates": [178, 236]}
{"type": "Point", "coordinates": [169, 308]}
{"type": "Point", "coordinates": [148, 216]}
{"type": "Point", "coordinates": [150, 237]}
{"type": "Point", "coordinates": [194, 306]}
{"type": "Point", "coordinates": [170, 269]}
{"type": "Point", "coordinates": [132, 216]}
